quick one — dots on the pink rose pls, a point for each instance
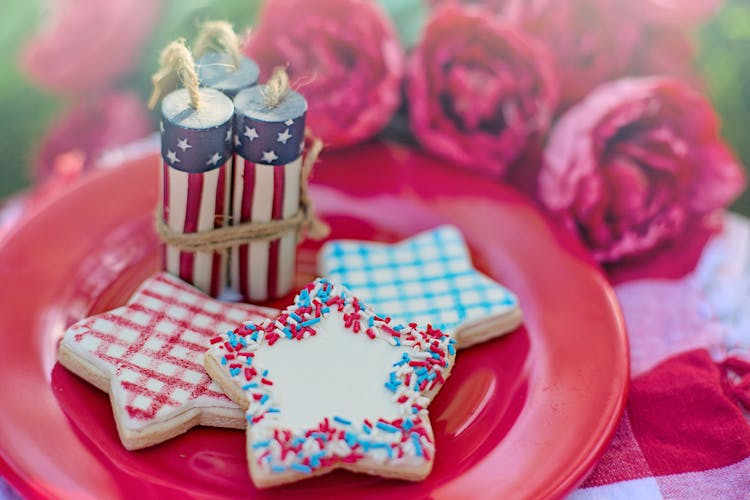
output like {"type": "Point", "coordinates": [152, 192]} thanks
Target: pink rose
{"type": "Point", "coordinates": [343, 55]}
{"type": "Point", "coordinates": [89, 44]}
{"type": "Point", "coordinates": [685, 14]}
{"type": "Point", "coordinates": [493, 6]}
{"type": "Point", "coordinates": [666, 51]}
{"type": "Point", "coordinates": [635, 164]}
{"type": "Point", "coordinates": [591, 41]}
{"type": "Point", "coordinates": [78, 138]}
{"type": "Point", "coordinates": [480, 91]}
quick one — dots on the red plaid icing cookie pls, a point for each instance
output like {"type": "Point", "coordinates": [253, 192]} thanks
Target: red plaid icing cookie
{"type": "Point", "coordinates": [148, 356]}
{"type": "Point", "coordinates": [328, 384]}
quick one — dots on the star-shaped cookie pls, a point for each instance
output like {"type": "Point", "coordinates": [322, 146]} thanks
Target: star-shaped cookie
{"type": "Point", "coordinates": [428, 278]}
{"type": "Point", "coordinates": [148, 355]}
{"type": "Point", "coordinates": [329, 384]}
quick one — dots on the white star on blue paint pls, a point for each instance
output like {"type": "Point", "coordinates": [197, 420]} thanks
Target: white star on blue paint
{"type": "Point", "coordinates": [269, 156]}
{"type": "Point", "coordinates": [237, 141]}
{"type": "Point", "coordinates": [229, 136]}
{"type": "Point", "coordinates": [172, 156]}
{"type": "Point", "coordinates": [284, 136]}
{"type": "Point", "coordinates": [251, 134]}
{"type": "Point", "coordinates": [289, 122]}
{"type": "Point", "coordinates": [161, 127]}
{"type": "Point", "coordinates": [214, 160]}
{"type": "Point", "coordinates": [183, 144]}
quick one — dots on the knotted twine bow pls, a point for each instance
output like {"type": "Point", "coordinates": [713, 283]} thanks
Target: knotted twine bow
{"type": "Point", "coordinates": [219, 36]}
{"type": "Point", "coordinates": [177, 62]}
{"type": "Point", "coordinates": [176, 65]}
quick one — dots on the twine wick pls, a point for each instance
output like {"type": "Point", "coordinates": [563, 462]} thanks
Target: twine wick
{"type": "Point", "coordinates": [304, 221]}
{"type": "Point", "coordinates": [218, 35]}
{"type": "Point", "coordinates": [276, 87]}
{"type": "Point", "coordinates": [176, 64]}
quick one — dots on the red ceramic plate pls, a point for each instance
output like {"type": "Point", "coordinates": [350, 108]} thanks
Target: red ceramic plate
{"type": "Point", "coordinates": [526, 415]}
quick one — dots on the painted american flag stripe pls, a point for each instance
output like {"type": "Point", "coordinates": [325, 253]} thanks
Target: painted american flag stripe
{"type": "Point", "coordinates": [196, 202]}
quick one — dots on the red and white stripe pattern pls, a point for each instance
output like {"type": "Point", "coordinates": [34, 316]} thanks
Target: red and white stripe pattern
{"type": "Point", "coordinates": [196, 202]}
{"type": "Point", "coordinates": [263, 270]}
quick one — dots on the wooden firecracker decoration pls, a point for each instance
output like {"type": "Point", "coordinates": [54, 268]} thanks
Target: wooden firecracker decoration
{"type": "Point", "coordinates": [196, 146]}
{"type": "Point", "coordinates": [270, 127]}
{"type": "Point", "coordinates": [220, 63]}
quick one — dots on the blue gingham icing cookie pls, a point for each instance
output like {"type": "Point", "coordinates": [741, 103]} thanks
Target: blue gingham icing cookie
{"type": "Point", "coordinates": [428, 278]}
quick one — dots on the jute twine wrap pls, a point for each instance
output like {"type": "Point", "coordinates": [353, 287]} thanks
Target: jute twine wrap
{"type": "Point", "coordinates": [304, 221]}
{"type": "Point", "coordinates": [220, 37]}
{"type": "Point", "coordinates": [176, 65]}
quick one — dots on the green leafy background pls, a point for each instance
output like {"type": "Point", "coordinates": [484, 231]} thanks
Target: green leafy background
{"type": "Point", "coordinates": [25, 112]}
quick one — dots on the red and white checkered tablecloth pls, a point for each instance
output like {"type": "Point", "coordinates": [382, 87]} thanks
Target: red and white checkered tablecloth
{"type": "Point", "coordinates": [686, 429]}
{"type": "Point", "coordinates": [685, 432]}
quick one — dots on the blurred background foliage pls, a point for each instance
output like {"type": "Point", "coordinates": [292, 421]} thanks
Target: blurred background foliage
{"type": "Point", "coordinates": [723, 61]}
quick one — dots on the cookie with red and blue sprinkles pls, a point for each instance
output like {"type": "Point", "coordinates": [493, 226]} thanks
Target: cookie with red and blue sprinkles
{"type": "Point", "coordinates": [329, 384]}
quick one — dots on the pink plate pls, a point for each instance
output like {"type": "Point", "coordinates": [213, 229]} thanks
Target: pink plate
{"type": "Point", "coordinates": [525, 416]}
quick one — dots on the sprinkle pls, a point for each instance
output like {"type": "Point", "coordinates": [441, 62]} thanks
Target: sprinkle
{"type": "Point", "coordinates": [278, 468]}
{"type": "Point", "coordinates": [350, 439]}
{"type": "Point", "coordinates": [451, 349]}
{"type": "Point", "coordinates": [273, 410]}
{"type": "Point", "coordinates": [296, 317]}
{"type": "Point", "coordinates": [224, 360]}
{"type": "Point", "coordinates": [386, 427]}
{"type": "Point", "coordinates": [417, 444]}
{"type": "Point", "coordinates": [366, 429]}
{"type": "Point", "coordinates": [315, 458]}
{"type": "Point", "coordinates": [264, 398]}
{"type": "Point", "coordinates": [408, 424]}
{"type": "Point", "coordinates": [215, 340]}
{"type": "Point", "coordinates": [261, 444]}
{"type": "Point", "coordinates": [251, 385]}
{"type": "Point", "coordinates": [300, 468]}
{"type": "Point", "coordinates": [310, 322]}
{"type": "Point", "coordinates": [266, 381]}
{"type": "Point", "coordinates": [392, 386]}
{"type": "Point", "coordinates": [234, 371]}
{"type": "Point", "coordinates": [342, 420]}
{"type": "Point", "coordinates": [404, 359]}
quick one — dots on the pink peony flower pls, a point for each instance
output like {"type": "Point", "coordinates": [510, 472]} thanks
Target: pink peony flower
{"type": "Point", "coordinates": [343, 55]}
{"type": "Point", "coordinates": [77, 139]}
{"type": "Point", "coordinates": [635, 164]}
{"type": "Point", "coordinates": [685, 14]}
{"type": "Point", "coordinates": [496, 7]}
{"type": "Point", "coordinates": [591, 41]}
{"type": "Point", "coordinates": [480, 91]}
{"type": "Point", "coordinates": [88, 44]}
{"type": "Point", "coordinates": [666, 51]}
